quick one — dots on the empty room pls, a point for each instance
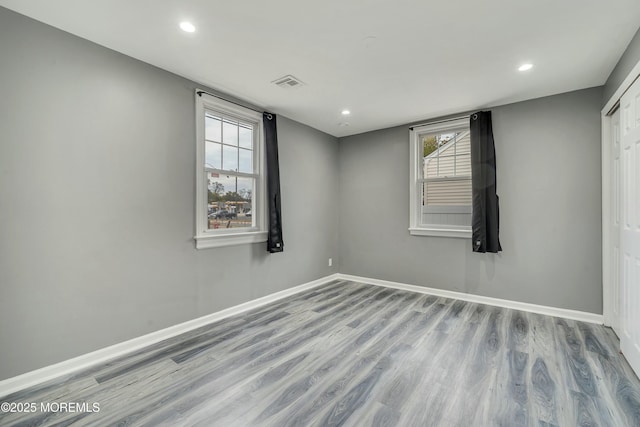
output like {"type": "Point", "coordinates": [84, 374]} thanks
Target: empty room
{"type": "Point", "coordinates": [338, 213]}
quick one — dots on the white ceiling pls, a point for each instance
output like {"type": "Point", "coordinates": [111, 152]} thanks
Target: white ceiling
{"type": "Point", "coordinates": [389, 62]}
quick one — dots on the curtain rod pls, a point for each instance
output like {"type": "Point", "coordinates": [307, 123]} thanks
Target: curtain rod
{"type": "Point", "coordinates": [200, 92]}
{"type": "Point", "coordinates": [441, 121]}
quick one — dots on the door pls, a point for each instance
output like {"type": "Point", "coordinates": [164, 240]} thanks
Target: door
{"type": "Point", "coordinates": [615, 223]}
{"type": "Point", "coordinates": [630, 225]}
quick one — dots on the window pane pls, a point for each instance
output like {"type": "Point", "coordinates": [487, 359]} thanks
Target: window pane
{"type": "Point", "coordinates": [431, 167]}
{"type": "Point", "coordinates": [213, 128]}
{"type": "Point", "coordinates": [463, 165]}
{"type": "Point", "coordinates": [445, 140]}
{"type": "Point", "coordinates": [447, 193]}
{"type": "Point", "coordinates": [463, 154]}
{"type": "Point", "coordinates": [229, 158]}
{"type": "Point", "coordinates": [446, 155]}
{"type": "Point", "coordinates": [446, 166]}
{"type": "Point", "coordinates": [246, 161]}
{"type": "Point", "coordinates": [429, 144]}
{"type": "Point", "coordinates": [229, 201]}
{"type": "Point", "coordinates": [444, 195]}
{"type": "Point", "coordinates": [220, 184]}
{"type": "Point", "coordinates": [464, 144]}
{"type": "Point", "coordinates": [246, 137]}
{"type": "Point", "coordinates": [213, 155]}
{"type": "Point", "coordinates": [230, 132]}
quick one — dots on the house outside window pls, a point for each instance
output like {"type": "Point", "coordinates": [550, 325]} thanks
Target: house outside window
{"type": "Point", "coordinates": [440, 186]}
{"type": "Point", "coordinates": [230, 176]}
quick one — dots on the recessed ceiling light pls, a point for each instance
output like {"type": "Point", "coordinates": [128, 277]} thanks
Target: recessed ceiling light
{"type": "Point", "coordinates": [187, 27]}
{"type": "Point", "coordinates": [346, 112]}
{"type": "Point", "coordinates": [525, 67]}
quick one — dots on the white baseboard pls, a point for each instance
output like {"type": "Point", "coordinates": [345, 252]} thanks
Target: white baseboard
{"type": "Point", "coordinates": [103, 355]}
{"type": "Point", "coordinates": [29, 379]}
{"type": "Point", "coordinates": [523, 306]}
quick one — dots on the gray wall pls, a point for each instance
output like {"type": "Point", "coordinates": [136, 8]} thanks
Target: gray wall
{"type": "Point", "coordinates": [97, 195]}
{"type": "Point", "coordinates": [548, 163]}
{"type": "Point", "coordinates": [627, 61]}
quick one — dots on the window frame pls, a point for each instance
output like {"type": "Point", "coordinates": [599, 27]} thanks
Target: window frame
{"type": "Point", "coordinates": [204, 237]}
{"type": "Point", "coordinates": [416, 180]}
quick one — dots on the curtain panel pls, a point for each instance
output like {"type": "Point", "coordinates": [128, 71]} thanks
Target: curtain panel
{"type": "Point", "coordinates": [485, 221]}
{"type": "Point", "coordinates": [274, 241]}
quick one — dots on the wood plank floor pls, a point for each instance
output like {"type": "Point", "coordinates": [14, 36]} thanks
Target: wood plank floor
{"type": "Point", "coordinates": [358, 355]}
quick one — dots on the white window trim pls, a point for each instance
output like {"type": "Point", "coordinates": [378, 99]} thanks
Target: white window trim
{"type": "Point", "coordinates": [204, 237]}
{"type": "Point", "coordinates": [442, 231]}
{"type": "Point", "coordinates": [416, 228]}
{"type": "Point", "coordinates": [448, 209]}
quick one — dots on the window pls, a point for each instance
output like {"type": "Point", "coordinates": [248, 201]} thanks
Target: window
{"type": "Point", "coordinates": [230, 178]}
{"type": "Point", "coordinates": [440, 193]}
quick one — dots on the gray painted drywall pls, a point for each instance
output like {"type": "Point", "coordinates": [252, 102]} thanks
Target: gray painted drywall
{"type": "Point", "coordinates": [97, 195]}
{"type": "Point", "coordinates": [548, 165]}
{"type": "Point", "coordinates": [627, 61]}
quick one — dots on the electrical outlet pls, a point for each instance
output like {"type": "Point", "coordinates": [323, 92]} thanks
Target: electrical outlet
{"type": "Point", "coordinates": [330, 262]}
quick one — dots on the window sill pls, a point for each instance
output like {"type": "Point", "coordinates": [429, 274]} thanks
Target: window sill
{"type": "Point", "coordinates": [462, 232]}
{"type": "Point", "coordinates": [220, 240]}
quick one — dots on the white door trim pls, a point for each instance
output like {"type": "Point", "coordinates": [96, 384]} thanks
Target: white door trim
{"type": "Point", "coordinates": [607, 246]}
{"type": "Point", "coordinates": [628, 81]}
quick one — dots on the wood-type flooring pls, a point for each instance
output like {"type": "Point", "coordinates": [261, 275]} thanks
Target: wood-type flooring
{"type": "Point", "coordinates": [350, 354]}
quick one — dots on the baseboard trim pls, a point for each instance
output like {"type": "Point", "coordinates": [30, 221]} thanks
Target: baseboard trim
{"type": "Point", "coordinates": [70, 366]}
{"type": "Point", "coordinates": [516, 305]}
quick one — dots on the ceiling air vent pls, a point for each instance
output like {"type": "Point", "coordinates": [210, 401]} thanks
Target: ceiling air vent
{"type": "Point", "coordinates": [288, 81]}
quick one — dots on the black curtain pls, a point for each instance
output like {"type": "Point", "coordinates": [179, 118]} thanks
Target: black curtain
{"type": "Point", "coordinates": [274, 242]}
{"type": "Point", "coordinates": [485, 221]}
